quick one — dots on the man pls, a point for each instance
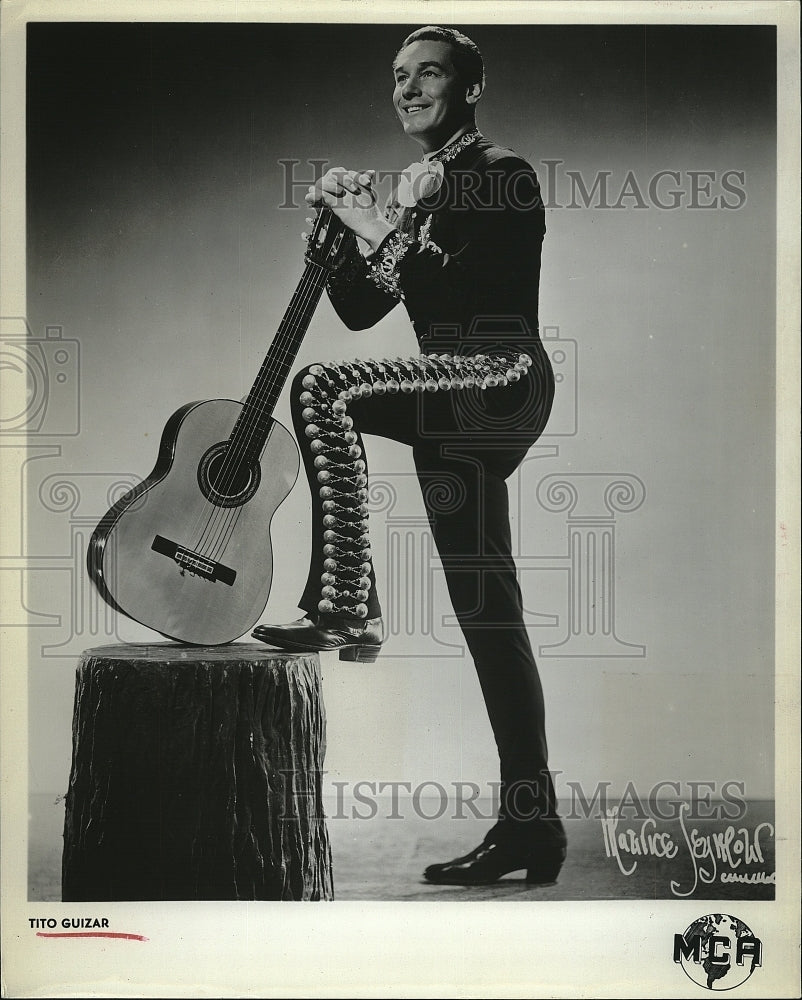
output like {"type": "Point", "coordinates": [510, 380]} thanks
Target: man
{"type": "Point", "coordinates": [460, 245]}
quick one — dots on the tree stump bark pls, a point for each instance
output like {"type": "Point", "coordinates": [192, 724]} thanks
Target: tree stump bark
{"type": "Point", "coordinates": [196, 774]}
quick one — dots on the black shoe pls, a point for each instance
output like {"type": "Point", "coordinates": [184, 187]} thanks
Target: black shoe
{"type": "Point", "coordinates": [276, 631]}
{"type": "Point", "coordinates": [355, 640]}
{"type": "Point", "coordinates": [491, 860]}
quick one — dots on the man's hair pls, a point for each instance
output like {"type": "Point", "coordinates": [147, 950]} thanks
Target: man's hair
{"type": "Point", "coordinates": [465, 53]}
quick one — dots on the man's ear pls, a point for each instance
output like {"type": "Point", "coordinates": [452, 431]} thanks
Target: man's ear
{"type": "Point", "coordinates": [473, 93]}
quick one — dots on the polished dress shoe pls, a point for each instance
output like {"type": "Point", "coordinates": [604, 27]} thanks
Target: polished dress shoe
{"type": "Point", "coordinates": [356, 640]}
{"type": "Point", "coordinates": [491, 860]}
{"type": "Point", "coordinates": [291, 628]}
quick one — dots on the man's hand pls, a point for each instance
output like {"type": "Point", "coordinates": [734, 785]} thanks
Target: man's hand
{"type": "Point", "coordinates": [350, 195]}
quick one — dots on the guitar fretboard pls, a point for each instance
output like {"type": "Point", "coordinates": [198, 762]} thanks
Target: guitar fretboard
{"type": "Point", "coordinates": [251, 430]}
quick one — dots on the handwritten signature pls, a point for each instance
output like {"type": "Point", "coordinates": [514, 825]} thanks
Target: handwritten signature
{"type": "Point", "coordinates": [715, 856]}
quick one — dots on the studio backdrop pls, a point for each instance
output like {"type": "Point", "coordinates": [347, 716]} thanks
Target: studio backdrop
{"type": "Point", "coordinates": [166, 168]}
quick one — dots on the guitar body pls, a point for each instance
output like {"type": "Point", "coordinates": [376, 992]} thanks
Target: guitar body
{"type": "Point", "coordinates": [187, 552]}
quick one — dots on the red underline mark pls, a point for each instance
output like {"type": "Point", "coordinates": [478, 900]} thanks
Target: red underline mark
{"type": "Point", "coordinates": [93, 934]}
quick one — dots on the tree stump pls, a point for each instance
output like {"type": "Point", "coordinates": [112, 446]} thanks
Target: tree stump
{"type": "Point", "coordinates": [196, 774]}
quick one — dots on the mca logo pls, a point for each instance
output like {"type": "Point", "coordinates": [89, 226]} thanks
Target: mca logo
{"type": "Point", "coordinates": [719, 952]}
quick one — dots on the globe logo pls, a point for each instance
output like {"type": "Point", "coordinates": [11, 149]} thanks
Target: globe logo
{"type": "Point", "coordinates": [718, 951]}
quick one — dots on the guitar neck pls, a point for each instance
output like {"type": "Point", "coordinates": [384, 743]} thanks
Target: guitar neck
{"type": "Point", "coordinates": [254, 423]}
{"type": "Point", "coordinates": [279, 360]}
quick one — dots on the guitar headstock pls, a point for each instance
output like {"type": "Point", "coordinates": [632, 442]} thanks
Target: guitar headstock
{"type": "Point", "coordinates": [324, 241]}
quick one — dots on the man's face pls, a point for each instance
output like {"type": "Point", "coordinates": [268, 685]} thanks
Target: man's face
{"type": "Point", "coordinates": [429, 96]}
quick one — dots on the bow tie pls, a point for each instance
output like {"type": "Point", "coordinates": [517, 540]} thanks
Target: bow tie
{"type": "Point", "coordinates": [418, 182]}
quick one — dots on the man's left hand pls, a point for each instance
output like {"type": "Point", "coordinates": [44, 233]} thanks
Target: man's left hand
{"type": "Point", "coordinates": [350, 195]}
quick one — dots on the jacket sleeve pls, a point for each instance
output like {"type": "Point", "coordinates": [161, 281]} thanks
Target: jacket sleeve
{"type": "Point", "coordinates": [357, 300]}
{"type": "Point", "coordinates": [495, 258]}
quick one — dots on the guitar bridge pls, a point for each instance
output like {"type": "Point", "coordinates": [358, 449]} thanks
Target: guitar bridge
{"type": "Point", "coordinates": [194, 562]}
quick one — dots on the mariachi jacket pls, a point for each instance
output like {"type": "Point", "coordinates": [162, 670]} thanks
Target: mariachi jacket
{"type": "Point", "coordinates": [465, 261]}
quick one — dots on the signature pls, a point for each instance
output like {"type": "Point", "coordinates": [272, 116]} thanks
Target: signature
{"type": "Point", "coordinates": [715, 856]}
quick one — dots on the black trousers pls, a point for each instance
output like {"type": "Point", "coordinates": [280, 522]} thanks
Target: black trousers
{"type": "Point", "coordinates": [465, 442]}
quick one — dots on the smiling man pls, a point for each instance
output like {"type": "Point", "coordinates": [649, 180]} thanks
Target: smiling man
{"type": "Point", "coordinates": [459, 245]}
{"type": "Point", "coordinates": [431, 96]}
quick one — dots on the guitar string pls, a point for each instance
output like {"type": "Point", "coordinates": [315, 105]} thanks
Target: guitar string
{"type": "Point", "coordinates": [233, 456]}
{"type": "Point", "coordinates": [226, 475]}
{"type": "Point", "coordinates": [281, 354]}
{"type": "Point", "coordinates": [217, 534]}
{"type": "Point", "coordinates": [249, 424]}
{"type": "Point", "coordinates": [223, 522]}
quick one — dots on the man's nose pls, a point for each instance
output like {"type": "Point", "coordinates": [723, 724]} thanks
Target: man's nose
{"type": "Point", "coordinates": [411, 88]}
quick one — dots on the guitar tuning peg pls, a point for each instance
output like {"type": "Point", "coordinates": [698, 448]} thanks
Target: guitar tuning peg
{"type": "Point", "coordinates": [305, 236]}
{"type": "Point", "coordinates": [310, 221]}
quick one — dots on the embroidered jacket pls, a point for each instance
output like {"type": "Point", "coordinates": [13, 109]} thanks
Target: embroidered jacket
{"type": "Point", "coordinates": [470, 250]}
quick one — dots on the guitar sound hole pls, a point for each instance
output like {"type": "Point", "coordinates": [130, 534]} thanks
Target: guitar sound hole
{"type": "Point", "coordinates": [225, 480]}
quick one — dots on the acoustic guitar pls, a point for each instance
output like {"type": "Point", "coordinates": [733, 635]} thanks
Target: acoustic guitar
{"type": "Point", "coordinates": [187, 551]}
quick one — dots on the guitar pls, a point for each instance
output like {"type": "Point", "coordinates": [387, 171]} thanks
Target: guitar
{"type": "Point", "coordinates": [187, 551]}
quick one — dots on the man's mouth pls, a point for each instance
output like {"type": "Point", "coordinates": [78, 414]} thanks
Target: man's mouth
{"type": "Point", "coordinates": [413, 109]}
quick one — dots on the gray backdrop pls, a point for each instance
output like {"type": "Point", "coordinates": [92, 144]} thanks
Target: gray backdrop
{"type": "Point", "coordinates": [160, 255]}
